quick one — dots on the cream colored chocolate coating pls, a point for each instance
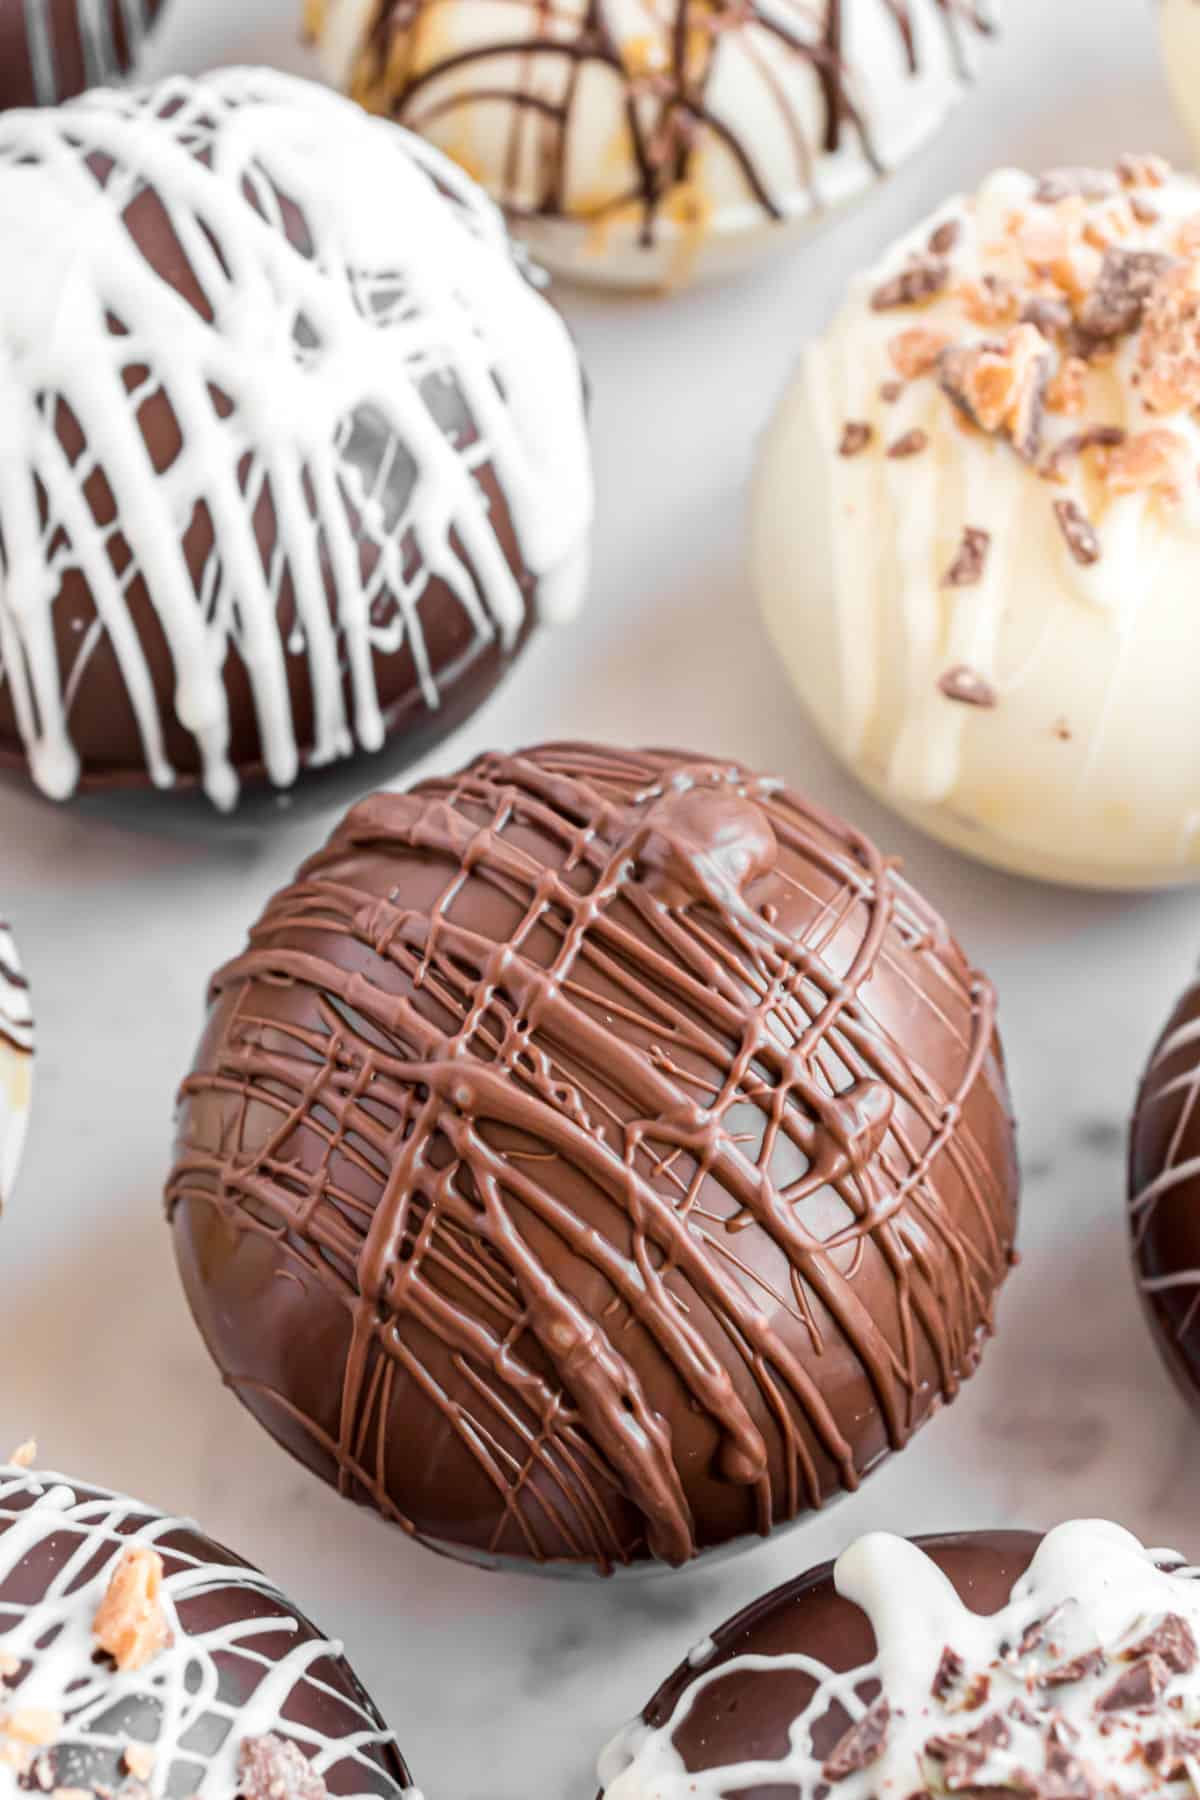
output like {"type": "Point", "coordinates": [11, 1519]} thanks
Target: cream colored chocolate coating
{"type": "Point", "coordinates": [1083, 764]}
{"type": "Point", "coordinates": [1179, 24]}
{"type": "Point", "coordinates": [752, 94]}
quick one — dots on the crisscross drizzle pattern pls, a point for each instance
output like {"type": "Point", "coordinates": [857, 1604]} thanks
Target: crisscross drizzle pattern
{"type": "Point", "coordinates": [771, 84]}
{"type": "Point", "coordinates": [263, 363]}
{"type": "Point", "coordinates": [599, 1102]}
{"type": "Point", "coordinates": [242, 1663]}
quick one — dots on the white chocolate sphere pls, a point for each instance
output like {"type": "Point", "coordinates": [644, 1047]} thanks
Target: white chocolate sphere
{"type": "Point", "coordinates": [643, 145]}
{"type": "Point", "coordinates": [976, 531]}
{"type": "Point", "coordinates": [1179, 25]}
{"type": "Point", "coordinates": [16, 1061]}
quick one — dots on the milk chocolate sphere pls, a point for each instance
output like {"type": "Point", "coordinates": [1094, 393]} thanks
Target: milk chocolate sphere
{"type": "Point", "coordinates": [294, 455]}
{"type": "Point", "coordinates": [644, 146]}
{"type": "Point", "coordinates": [975, 514]}
{"type": "Point", "coordinates": [595, 1157]}
{"type": "Point", "coordinates": [137, 1656]}
{"type": "Point", "coordinates": [16, 1060]}
{"type": "Point", "coordinates": [981, 1663]}
{"type": "Point", "coordinates": [51, 49]}
{"type": "Point", "coordinates": [1164, 1188]}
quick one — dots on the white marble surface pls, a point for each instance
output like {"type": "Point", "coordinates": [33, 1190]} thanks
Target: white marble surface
{"type": "Point", "coordinates": [503, 1689]}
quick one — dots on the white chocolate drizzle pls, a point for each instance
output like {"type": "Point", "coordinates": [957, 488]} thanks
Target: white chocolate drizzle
{"type": "Point", "coordinates": [372, 350]}
{"type": "Point", "coordinates": [1090, 1587]}
{"type": "Point", "coordinates": [95, 22]}
{"type": "Point", "coordinates": [16, 1060]}
{"type": "Point", "coordinates": [205, 1694]}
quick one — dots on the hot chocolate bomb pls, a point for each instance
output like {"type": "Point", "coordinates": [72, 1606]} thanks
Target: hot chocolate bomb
{"type": "Point", "coordinates": [51, 49]}
{"type": "Point", "coordinates": [1164, 1186]}
{"type": "Point", "coordinates": [641, 145]}
{"type": "Point", "coordinates": [975, 514]}
{"type": "Point", "coordinates": [597, 1156]}
{"type": "Point", "coordinates": [294, 455]}
{"type": "Point", "coordinates": [982, 1663]}
{"type": "Point", "coordinates": [138, 1656]}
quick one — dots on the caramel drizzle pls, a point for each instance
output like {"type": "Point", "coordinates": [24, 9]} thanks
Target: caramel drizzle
{"type": "Point", "coordinates": [448, 1067]}
{"type": "Point", "coordinates": [667, 135]}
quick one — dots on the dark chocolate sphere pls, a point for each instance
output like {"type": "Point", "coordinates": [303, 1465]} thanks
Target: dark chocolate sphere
{"type": "Point", "coordinates": [119, 1628]}
{"type": "Point", "coordinates": [51, 49]}
{"type": "Point", "coordinates": [747, 1714]}
{"type": "Point", "coordinates": [596, 1156]}
{"type": "Point", "coordinates": [980, 1664]}
{"type": "Point", "coordinates": [296, 450]}
{"type": "Point", "coordinates": [1164, 1190]}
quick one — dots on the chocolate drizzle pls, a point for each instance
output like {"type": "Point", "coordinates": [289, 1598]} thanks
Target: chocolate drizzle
{"type": "Point", "coordinates": [670, 111]}
{"type": "Point", "coordinates": [594, 1155]}
{"type": "Point", "coordinates": [16, 1027]}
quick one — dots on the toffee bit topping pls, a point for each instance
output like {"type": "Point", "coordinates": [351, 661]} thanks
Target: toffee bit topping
{"type": "Point", "coordinates": [1096, 437]}
{"type": "Point", "coordinates": [859, 1747]}
{"type": "Point", "coordinates": [1079, 533]}
{"type": "Point", "coordinates": [963, 1757]}
{"type": "Point", "coordinates": [1053, 247]}
{"type": "Point", "coordinates": [25, 1455]}
{"type": "Point", "coordinates": [967, 571]}
{"type": "Point", "coordinates": [1115, 305]}
{"type": "Point", "coordinates": [1066, 393]}
{"type": "Point", "coordinates": [138, 1760]}
{"type": "Point", "coordinates": [1169, 1756]}
{"type": "Point", "coordinates": [1169, 346]}
{"type": "Point", "coordinates": [1138, 1685]}
{"type": "Point", "coordinates": [968, 687]}
{"type": "Point", "coordinates": [944, 237]}
{"type": "Point", "coordinates": [1092, 1662]}
{"type": "Point", "coordinates": [1001, 386]}
{"type": "Point", "coordinates": [1053, 318]}
{"type": "Point", "coordinates": [856, 435]}
{"type": "Point", "coordinates": [890, 392]}
{"type": "Point", "coordinates": [991, 300]}
{"type": "Point", "coordinates": [273, 1768]}
{"type": "Point", "coordinates": [993, 1734]}
{"type": "Point", "coordinates": [1173, 1641]}
{"type": "Point", "coordinates": [130, 1624]}
{"type": "Point", "coordinates": [1135, 170]}
{"type": "Point", "coordinates": [23, 1733]}
{"type": "Point", "coordinates": [910, 444]}
{"type": "Point", "coordinates": [916, 351]}
{"type": "Point", "coordinates": [1152, 459]}
{"type": "Point", "coordinates": [950, 1671]}
{"type": "Point", "coordinates": [1068, 184]}
{"type": "Point", "coordinates": [922, 280]}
